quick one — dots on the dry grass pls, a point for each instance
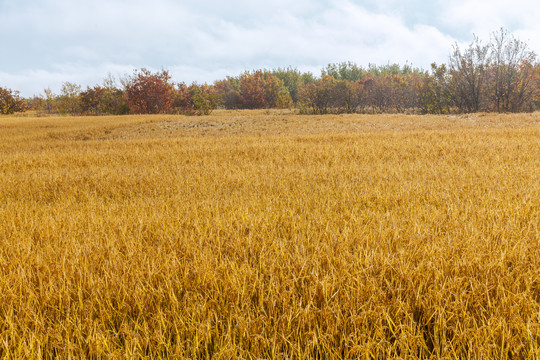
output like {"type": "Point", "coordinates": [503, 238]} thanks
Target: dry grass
{"type": "Point", "coordinates": [255, 235]}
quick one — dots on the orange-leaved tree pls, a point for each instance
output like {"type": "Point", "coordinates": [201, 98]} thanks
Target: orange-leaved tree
{"type": "Point", "coordinates": [229, 92]}
{"type": "Point", "coordinates": [253, 90]}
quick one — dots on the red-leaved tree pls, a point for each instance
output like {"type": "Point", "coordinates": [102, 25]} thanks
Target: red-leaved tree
{"type": "Point", "coordinates": [149, 93]}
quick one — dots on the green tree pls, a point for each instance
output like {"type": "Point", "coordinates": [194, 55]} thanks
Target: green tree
{"type": "Point", "coordinates": [434, 96]}
{"type": "Point", "coordinates": [344, 71]}
{"type": "Point", "coordinates": [203, 99]}
{"type": "Point", "coordinates": [69, 101]}
{"type": "Point", "coordinates": [291, 79]}
{"type": "Point", "coordinates": [276, 93]}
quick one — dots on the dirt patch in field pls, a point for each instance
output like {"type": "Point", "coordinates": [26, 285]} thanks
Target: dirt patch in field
{"type": "Point", "coordinates": [229, 123]}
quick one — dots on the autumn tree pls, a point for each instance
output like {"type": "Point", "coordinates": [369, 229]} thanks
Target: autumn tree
{"type": "Point", "coordinates": [397, 93]}
{"type": "Point", "coordinates": [329, 95]}
{"type": "Point", "coordinates": [149, 93]}
{"type": "Point", "coordinates": [468, 71]}
{"type": "Point", "coordinates": [229, 92]}
{"type": "Point", "coordinates": [91, 100]}
{"type": "Point", "coordinates": [261, 90]}
{"type": "Point", "coordinates": [318, 97]}
{"type": "Point", "coordinates": [410, 91]}
{"type": "Point", "coordinates": [253, 90]}
{"type": "Point", "coordinates": [182, 99]}
{"type": "Point", "coordinates": [512, 83]}
{"type": "Point", "coordinates": [378, 88]}
{"type": "Point", "coordinates": [386, 92]}
{"type": "Point", "coordinates": [35, 103]}
{"type": "Point", "coordinates": [99, 100]}
{"type": "Point", "coordinates": [347, 97]}
{"type": "Point", "coordinates": [536, 88]}
{"type": "Point", "coordinates": [10, 101]}
{"type": "Point", "coordinates": [49, 101]}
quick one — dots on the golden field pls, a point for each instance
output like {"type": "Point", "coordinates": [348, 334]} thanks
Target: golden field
{"type": "Point", "coordinates": [265, 234]}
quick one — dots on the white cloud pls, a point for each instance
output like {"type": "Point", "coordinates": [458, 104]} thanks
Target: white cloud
{"type": "Point", "coordinates": [34, 81]}
{"type": "Point", "coordinates": [484, 17]}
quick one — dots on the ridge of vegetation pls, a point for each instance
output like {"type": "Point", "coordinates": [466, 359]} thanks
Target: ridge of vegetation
{"type": "Point", "coordinates": [500, 76]}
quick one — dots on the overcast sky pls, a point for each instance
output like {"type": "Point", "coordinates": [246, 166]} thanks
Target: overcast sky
{"type": "Point", "coordinates": [47, 42]}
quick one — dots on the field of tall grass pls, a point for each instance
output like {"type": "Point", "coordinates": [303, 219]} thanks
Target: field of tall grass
{"type": "Point", "coordinates": [272, 235]}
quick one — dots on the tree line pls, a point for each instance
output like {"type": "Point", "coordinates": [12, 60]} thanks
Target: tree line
{"type": "Point", "coordinates": [502, 75]}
